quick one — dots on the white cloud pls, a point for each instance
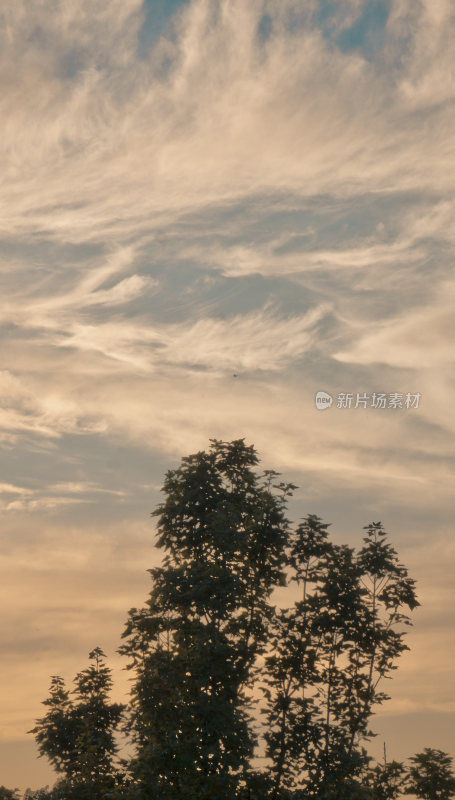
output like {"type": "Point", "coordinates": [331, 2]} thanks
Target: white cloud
{"type": "Point", "coordinates": [11, 488]}
{"type": "Point", "coordinates": [420, 338]}
{"type": "Point", "coordinates": [52, 496]}
{"type": "Point", "coordinates": [254, 341]}
{"type": "Point", "coordinates": [231, 118]}
{"type": "Point", "coordinates": [42, 503]}
{"type": "Point", "coordinates": [71, 487]}
{"type": "Point", "coordinates": [258, 340]}
{"type": "Point", "coordinates": [123, 146]}
{"type": "Point", "coordinates": [47, 306]}
{"type": "Point", "coordinates": [238, 260]}
{"type": "Point", "coordinates": [430, 76]}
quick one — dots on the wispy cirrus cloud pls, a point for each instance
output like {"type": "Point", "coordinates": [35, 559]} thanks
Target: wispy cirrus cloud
{"type": "Point", "coordinates": [222, 109]}
{"type": "Point", "coordinates": [96, 130]}
{"type": "Point", "coordinates": [419, 340]}
{"type": "Point", "coordinates": [257, 341]}
{"type": "Point", "coordinates": [53, 496]}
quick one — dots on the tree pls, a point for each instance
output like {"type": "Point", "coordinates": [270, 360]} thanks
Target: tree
{"type": "Point", "coordinates": [431, 776]}
{"type": "Point", "coordinates": [209, 639]}
{"type": "Point", "coordinates": [386, 781]}
{"type": "Point", "coordinates": [328, 655]}
{"type": "Point", "coordinates": [194, 646]}
{"type": "Point", "coordinates": [77, 735]}
{"type": "Point", "coordinates": [8, 794]}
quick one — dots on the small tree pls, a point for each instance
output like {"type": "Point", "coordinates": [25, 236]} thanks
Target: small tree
{"type": "Point", "coordinates": [431, 776]}
{"type": "Point", "coordinates": [77, 735]}
{"type": "Point", "coordinates": [329, 653]}
{"type": "Point", "coordinates": [386, 781]}
{"type": "Point", "coordinates": [8, 794]}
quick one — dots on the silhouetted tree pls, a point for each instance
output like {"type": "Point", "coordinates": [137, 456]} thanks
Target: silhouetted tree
{"type": "Point", "coordinates": [195, 647]}
{"type": "Point", "coordinates": [8, 794]}
{"type": "Point", "coordinates": [386, 781]}
{"type": "Point", "coordinates": [77, 735]}
{"type": "Point", "coordinates": [329, 653]}
{"type": "Point", "coordinates": [431, 776]}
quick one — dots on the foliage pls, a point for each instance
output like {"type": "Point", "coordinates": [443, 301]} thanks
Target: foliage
{"type": "Point", "coordinates": [222, 677]}
{"type": "Point", "coordinates": [77, 735]}
{"type": "Point", "coordinates": [8, 794]}
{"type": "Point", "coordinates": [386, 781]}
{"type": "Point", "coordinates": [431, 776]}
{"type": "Point", "coordinates": [194, 647]}
{"type": "Point", "coordinates": [328, 655]}
{"type": "Point", "coordinates": [209, 634]}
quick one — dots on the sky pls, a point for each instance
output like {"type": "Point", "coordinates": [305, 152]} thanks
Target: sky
{"type": "Point", "coordinates": [211, 211]}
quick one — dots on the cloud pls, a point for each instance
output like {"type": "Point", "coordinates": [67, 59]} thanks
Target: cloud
{"type": "Point", "coordinates": [131, 149]}
{"type": "Point", "coordinates": [51, 497]}
{"type": "Point", "coordinates": [239, 260]}
{"type": "Point", "coordinates": [46, 306]}
{"type": "Point", "coordinates": [9, 488]}
{"type": "Point", "coordinates": [229, 117]}
{"type": "Point", "coordinates": [421, 338]}
{"type": "Point", "coordinates": [41, 503]}
{"type": "Point", "coordinates": [71, 487]}
{"type": "Point", "coordinates": [429, 80]}
{"type": "Point", "coordinates": [259, 340]}
{"type": "Point", "coordinates": [418, 342]}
